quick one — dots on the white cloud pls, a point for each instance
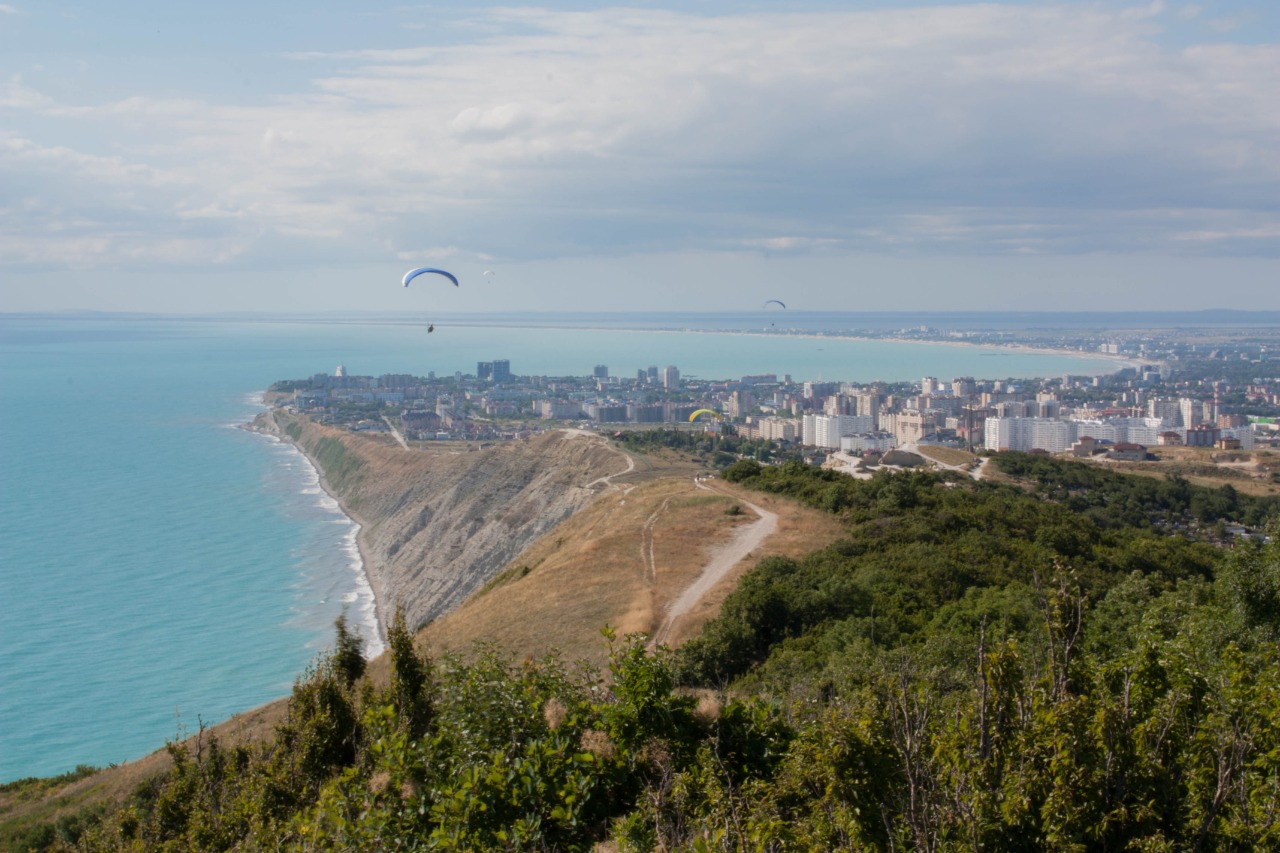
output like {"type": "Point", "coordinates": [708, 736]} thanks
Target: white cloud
{"type": "Point", "coordinates": [982, 128]}
{"type": "Point", "coordinates": [6, 9]}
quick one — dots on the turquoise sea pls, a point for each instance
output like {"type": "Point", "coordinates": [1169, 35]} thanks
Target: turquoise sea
{"type": "Point", "coordinates": [160, 567]}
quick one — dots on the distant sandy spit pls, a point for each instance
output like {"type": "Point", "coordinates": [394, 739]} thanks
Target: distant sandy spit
{"type": "Point", "coordinates": [1120, 361]}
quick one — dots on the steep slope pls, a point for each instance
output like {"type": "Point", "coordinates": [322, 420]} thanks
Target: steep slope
{"type": "Point", "coordinates": [437, 524]}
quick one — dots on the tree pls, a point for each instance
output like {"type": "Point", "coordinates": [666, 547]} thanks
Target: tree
{"type": "Point", "coordinates": [348, 652]}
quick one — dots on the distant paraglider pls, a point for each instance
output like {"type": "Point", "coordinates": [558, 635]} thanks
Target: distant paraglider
{"type": "Point", "coordinates": [711, 412]}
{"type": "Point", "coordinates": [412, 274]}
{"type": "Point", "coordinates": [774, 304]}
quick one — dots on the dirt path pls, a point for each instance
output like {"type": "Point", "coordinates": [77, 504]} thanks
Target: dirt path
{"type": "Point", "coordinates": [607, 480]}
{"type": "Point", "coordinates": [744, 540]}
{"type": "Point", "coordinates": [396, 433]}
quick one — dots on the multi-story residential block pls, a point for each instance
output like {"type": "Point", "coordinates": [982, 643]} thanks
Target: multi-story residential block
{"type": "Point", "coordinates": [646, 414]}
{"type": "Point", "coordinates": [826, 430]}
{"type": "Point", "coordinates": [1164, 408]}
{"type": "Point", "coordinates": [559, 409]}
{"type": "Point", "coordinates": [910, 426]}
{"type": "Point", "coordinates": [606, 412]}
{"type": "Point", "coordinates": [774, 428]}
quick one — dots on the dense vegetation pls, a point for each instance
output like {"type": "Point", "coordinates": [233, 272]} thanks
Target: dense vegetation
{"type": "Point", "coordinates": [974, 666]}
{"type": "Point", "coordinates": [1114, 499]}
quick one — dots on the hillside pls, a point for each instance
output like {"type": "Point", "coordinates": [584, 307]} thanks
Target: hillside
{"type": "Point", "coordinates": [438, 524]}
{"type": "Point", "coordinates": [623, 561]}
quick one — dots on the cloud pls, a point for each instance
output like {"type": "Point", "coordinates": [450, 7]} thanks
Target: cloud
{"type": "Point", "coordinates": [6, 9]}
{"type": "Point", "coordinates": [983, 129]}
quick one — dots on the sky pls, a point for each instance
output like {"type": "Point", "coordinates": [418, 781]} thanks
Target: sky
{"type": "Point", "coordinates": [182, 157]}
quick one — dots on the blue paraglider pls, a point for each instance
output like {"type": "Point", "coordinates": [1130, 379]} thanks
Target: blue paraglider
{"type": "Point", "coordinates": [412, 274]}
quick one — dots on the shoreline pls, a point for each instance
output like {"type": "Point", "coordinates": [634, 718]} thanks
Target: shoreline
{"type": "Point", "coordinates": [1122, 361]}
{"type": "Point", "coordinates": [264, 424]}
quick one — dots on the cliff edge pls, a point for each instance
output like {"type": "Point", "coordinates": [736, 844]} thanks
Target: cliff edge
{"type": "Point", "coordinates": [438, 523]}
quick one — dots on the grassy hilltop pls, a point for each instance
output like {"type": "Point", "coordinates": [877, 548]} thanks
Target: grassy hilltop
{"type": "Point", "coordinates": [1068, 658]}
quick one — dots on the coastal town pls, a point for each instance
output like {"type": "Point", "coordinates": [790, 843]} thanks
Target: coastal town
{"type": "Point", "coordinates": [1168, 391]}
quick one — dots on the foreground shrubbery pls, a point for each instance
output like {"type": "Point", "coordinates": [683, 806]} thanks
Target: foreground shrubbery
{"type": "Point", "coordinates": [974, 668]}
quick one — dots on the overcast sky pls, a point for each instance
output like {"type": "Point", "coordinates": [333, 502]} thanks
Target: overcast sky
{"type": "Point", "coordinates": [285, 155]}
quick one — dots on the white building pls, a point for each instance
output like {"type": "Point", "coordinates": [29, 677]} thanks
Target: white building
{"type": "Point", "coordinates": [825, 430]}
{"type": "Point", "coordinates": [1190, 411]}
{"type": "Point", "coordinates": [1057, 436]}
{"type": "Point", "coordinates": [1028, 434]}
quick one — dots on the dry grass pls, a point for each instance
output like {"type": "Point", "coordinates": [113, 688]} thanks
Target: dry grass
{"type": "Point", "coordinates": [589, 572]}
{"type": "Point", "coordinates": [945, 455]}
{"type": "Point", "coordinates": [800, 531]}
{"type": "Point", "coordinates": [594, 570]}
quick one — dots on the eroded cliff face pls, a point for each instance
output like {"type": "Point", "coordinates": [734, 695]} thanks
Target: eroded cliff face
{"type": "Point", "coordinates": [437, 524]}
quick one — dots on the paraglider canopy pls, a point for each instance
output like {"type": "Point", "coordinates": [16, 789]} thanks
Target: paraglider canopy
{"type": "Point", "coordinates": [777, 302]}
{"type": "Point", "coordinates": [711, 412]}
{"type": "Point", "coordinates": [412, 274]}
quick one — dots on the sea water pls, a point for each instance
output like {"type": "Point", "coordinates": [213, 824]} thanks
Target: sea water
{"type": "Point", "coordinates": [161, 567]}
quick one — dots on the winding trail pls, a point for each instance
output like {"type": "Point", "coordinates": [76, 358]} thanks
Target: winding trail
{"type": "Point", "coordinates": [744, 540]}
{"type": "Point", "coordinates": [608, 478]}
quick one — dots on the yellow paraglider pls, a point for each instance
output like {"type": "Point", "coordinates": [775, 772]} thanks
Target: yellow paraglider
{"type": "Point", "coordinates": [711, 412]}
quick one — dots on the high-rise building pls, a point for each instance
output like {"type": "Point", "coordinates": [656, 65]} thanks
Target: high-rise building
{"type": "Point", "coordinates": [651, 373]}
{"type": "Point", "coordinates": [740, 402]}
{"type": "Point", "coordinates": [601, 372]}
{"type": "Point", "coordinates": [671, 377]}
{"type": "Point", "coordinates": [840, 404]}
{"type": "Point", "coordinates": [869, 404]}
{"type": "Point", "coordinates": [484, 370]}
{"type": "Point", "coordinates": [1165, 408]}
{"type": "Point", "coordinates": [1191, 411]}
{"type": "Point", "coordinates": [501, 370]}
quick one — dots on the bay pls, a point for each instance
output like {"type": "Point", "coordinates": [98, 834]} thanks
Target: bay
{"type": "Point", "coordinates": [160, 567]}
